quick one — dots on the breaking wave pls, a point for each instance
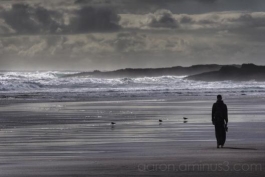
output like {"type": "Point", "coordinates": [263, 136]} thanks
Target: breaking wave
{"type": "Point", "coordinates": [52, 82]}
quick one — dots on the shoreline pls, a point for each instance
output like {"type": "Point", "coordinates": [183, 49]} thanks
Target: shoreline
{"type": "Point", "coordinates": [82, 97]}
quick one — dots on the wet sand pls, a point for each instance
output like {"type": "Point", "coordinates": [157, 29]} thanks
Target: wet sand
{"type": "Point", "coordinates": [77, 139]}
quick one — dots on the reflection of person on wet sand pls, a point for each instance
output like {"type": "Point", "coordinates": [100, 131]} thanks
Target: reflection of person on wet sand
{"type": "Point", "coordinates": [220, 120]}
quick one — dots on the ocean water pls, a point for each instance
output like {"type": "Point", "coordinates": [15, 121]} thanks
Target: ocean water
{"type": "Point", "coordinates": [53, 82]}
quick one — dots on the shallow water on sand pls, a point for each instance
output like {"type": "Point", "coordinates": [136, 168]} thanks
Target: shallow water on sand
{"type": "Point", "coordinates": [45, 132]}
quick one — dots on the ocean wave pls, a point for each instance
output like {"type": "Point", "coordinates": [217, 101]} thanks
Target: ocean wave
{"type": "Point", "coordinates": [53, 81]}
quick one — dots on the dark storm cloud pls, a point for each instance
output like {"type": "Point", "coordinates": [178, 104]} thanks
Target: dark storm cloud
{"type": "Point", "coordinates": [207, 1]}
{"type": "Point", "coordinates": [89, 19]}
{"type": "Point", "coordinates": [134, 33]}
{"type": "Point", "coordinates": [141, 6]}
{"type": "Point", "coordinates": [159, 2]}
{"type": "Point", "coordinates": [162, 19]}
{"type": "Point", "coordinates": [186, 19]}
{"type": "Point", "coordinates": [178, 6]}
{"type": "Point", "coordinates": [251, 21]}
{"type": "Point", "coordinates": [27, 19]}
{"type": "Point", "coordinates": [237, 20]}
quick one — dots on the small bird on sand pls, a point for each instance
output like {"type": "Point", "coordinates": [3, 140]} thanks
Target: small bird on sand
{"type": "Point", "coordinates": [160, 120]}
{"type": "Point", "coordinates": [185, 122]}
{"type": "Point", "coordinates": [185, 118]}
{"type": "Point", "coordinates": [113, 123]}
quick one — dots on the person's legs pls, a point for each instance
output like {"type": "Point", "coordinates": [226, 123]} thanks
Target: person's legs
{"type": "Point", "coordinates": [218, 134]}
{"type": "Point", "coordinates": [223, 135]}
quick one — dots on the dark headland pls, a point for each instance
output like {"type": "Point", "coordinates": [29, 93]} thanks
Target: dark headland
{"type": "Point", "coordinates": [152, 72]}
{"type": "Point", "coordinates": [244, 73]}
{"type": "Point", "coordinates": [211, 72]}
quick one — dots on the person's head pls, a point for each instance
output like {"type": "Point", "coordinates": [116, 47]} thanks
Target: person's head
{"type": "Point", "coordinates": [219, 97]}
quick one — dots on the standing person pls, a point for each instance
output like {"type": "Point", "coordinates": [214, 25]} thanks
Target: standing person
{"type": "Point", "coordinates": [220, 120]}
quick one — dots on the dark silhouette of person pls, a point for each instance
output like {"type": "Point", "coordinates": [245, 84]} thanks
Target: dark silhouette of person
{"type": "Point", "coordinates": [220, 120]}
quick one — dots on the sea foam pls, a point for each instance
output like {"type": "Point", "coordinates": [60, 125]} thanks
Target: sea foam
{"type": "Point", "coordinates": [54, 82]}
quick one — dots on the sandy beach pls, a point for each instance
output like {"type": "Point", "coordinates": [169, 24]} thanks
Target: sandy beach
{"type": "Point", "coordinates": [95, 88]}
{"type": "Point", "coordinates": [77, 139]}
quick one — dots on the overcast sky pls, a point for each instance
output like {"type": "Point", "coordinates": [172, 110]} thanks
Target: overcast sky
{"type": "Point", "coordinates": [112, 34]}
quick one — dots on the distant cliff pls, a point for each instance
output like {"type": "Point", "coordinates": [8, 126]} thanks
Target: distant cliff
{"type": "Point", "coordinates": [245, 73]}
{"type": "Point", "coordinates": [151, 72]}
